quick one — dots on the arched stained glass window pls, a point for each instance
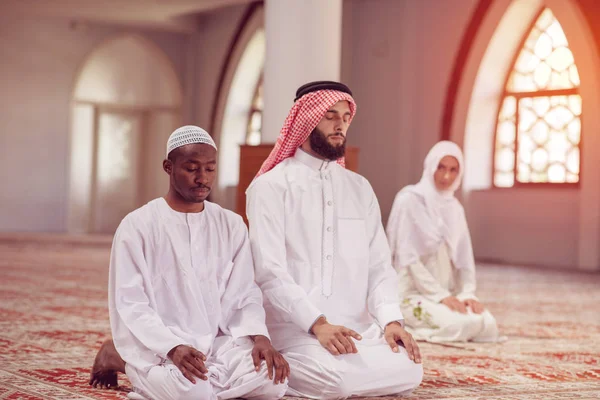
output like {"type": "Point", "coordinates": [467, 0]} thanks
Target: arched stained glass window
{"type": "Point", "coordinates": [538, 133]}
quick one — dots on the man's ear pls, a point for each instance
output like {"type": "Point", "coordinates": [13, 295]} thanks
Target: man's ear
{"type": "Point", "coordinates": [168, 166]}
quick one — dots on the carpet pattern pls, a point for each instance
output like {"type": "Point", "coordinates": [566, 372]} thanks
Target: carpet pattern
{"type": "Point", "coordinates": [53, 318]}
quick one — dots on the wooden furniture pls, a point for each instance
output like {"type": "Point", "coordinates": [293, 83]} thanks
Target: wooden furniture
{"type": "Point", "coordinates": [251, 159]}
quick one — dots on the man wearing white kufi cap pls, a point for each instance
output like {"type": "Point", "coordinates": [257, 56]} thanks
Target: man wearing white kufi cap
{"type": "Point", "coordinates": [186, 316]}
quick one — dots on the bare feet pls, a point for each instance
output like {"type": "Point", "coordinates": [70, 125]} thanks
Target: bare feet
{"type": "Point", "coordinates": [106, 365]}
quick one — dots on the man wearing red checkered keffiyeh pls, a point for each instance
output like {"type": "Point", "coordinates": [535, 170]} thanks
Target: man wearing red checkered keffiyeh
{"type": "Point", "coordinates": [323, 262]}
{"type": "Point", "coordinates": [305, 115]}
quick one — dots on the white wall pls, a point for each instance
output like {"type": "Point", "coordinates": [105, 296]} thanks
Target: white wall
{"type": "Point", "coordinates": [525, 226]}
{"type": "Point", "coordinates": [40, 61]}
{"type": "Point", "coordinates": [397, 59]}
{"type": "Point", "coordinates": [111, 77]}
{"type": "Point", "coordinates": [212, 44]}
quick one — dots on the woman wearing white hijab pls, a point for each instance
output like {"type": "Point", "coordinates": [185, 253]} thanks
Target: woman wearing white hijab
{"type": "Point", "coordinates": [431, 248]}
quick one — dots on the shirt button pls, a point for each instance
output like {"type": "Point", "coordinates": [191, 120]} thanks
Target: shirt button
{"type": "Point", "coordinates": [329, 257]}
{"type": "Point", "coordinates": [329, 202]}
{"type": "Point", "coordinates": [329, 229]}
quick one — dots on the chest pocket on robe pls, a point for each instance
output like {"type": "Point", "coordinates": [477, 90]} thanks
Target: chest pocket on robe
{"type": "Point", "coordinates": [352, 243]}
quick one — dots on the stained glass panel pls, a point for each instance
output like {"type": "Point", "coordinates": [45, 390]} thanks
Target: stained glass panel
{"type": "Point", "coordinates": [545, 62]}
{"type": "Point", "coordinates": [538, 135]}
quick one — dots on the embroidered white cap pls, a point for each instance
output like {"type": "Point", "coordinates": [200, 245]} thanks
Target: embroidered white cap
{"type": "Point", "coordinates": [188, 134]}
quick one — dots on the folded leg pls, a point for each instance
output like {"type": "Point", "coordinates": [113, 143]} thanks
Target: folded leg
{"type": "Point", "coordinates": [374, 371]}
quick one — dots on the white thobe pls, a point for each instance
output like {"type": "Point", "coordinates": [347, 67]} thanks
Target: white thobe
{"type": "Point", "coordinates": [186, 278]}
{"type": "Point", "coordinates": [320, 249]}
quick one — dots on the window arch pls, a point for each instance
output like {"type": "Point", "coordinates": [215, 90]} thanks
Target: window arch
{"type": "Point", "coordinates": [254, 129]}
{"type": "Point", "coordinates": [538, 130]}
{"type": "Point", "coordinates": [232, 110]}
{"type": "Point", "coordinates": [120, 119]}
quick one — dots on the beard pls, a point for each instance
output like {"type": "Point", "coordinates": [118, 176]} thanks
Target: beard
{"type": "Point", "coordinates": [320, 145]}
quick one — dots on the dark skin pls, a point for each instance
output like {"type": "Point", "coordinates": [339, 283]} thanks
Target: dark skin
{"type": "Point", "coordinates": [191, 361]}
{"type": "Point", "coordinates": [278, 368]}
{"type": "Point", "coordinates": [106, 365]}
{"type": "Point", "coordinates": [192, 172]}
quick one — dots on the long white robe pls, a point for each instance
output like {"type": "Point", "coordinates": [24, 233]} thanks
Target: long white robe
{"type": "Point", "coordinates": [320, 249]}
{"type": "Point", "coordinates": [432, 253]}
{"type": "Point", "coordinates": [424, 284]}
{"type": "Point", "coordinates": [186, 278]}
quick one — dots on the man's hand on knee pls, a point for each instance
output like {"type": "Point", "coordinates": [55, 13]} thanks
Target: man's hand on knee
{"type": "Point", "coordinates": [277, 367]}
{"type": "Point", "coordinates": [336, 339]}
{"type": "Point", "coordinates": [394, 332]}
{"type": "Point", "coordinates": [189, 361]}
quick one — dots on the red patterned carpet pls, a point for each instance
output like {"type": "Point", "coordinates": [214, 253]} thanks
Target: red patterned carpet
{"type": "Point", "coordinates": [53, 317]}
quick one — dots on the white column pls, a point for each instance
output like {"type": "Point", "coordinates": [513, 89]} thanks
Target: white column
{"type": "Point", "coordinates": [304, 44]}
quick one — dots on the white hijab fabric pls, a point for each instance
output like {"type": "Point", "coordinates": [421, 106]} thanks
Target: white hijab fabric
{"type": "Point", "coordinates": [423, 218]}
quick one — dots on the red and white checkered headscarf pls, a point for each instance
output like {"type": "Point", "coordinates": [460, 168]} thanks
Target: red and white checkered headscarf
{"type": "Point", "coordinates": [303, 118]}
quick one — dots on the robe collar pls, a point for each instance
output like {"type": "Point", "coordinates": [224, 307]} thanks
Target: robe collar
{"type": "Point", "coordinates": [313, 162]}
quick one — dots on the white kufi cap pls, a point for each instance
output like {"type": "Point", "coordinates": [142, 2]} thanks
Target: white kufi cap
{"type": "Point", "coordinates": [188, 134]}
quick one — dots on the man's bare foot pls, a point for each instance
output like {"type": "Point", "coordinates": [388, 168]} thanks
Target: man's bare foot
{"type": "Point", "coordinates": [106, 365]}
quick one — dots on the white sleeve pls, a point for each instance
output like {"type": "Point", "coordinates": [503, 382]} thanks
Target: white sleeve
{"type": "Point", "coordinates": [243, 312]}
{"type": "Point", "coordinates": [129, 282]}
{"type": "Point", "coordinates": [402, 226]}
{"type": "Point", "coordinates": [467, 281]}
{"type": "Point", "coordinates": [426, 283]}
{"type": "Point", "coordinates": [466, 261]}
{"type": "Point", "coordinates": [383, 296]}
{"type": "Point", "coordinates": [266, 216]}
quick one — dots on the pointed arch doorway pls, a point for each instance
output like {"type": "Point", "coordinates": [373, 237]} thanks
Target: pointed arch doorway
{"type": "Point", "coordinates": [126, 101]}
